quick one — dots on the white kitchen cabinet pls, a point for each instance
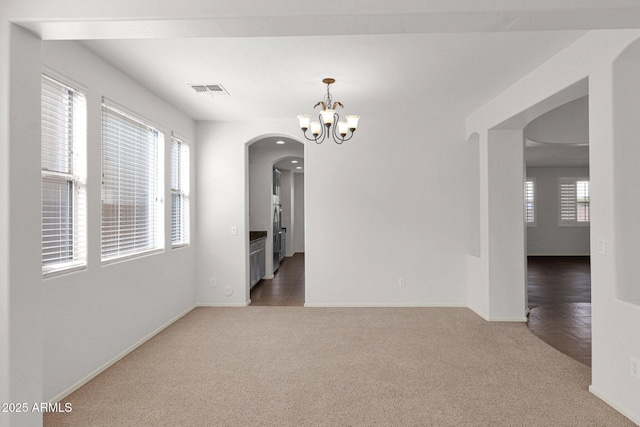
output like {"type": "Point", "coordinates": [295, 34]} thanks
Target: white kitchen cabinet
{"type": "Point", "coordinates": [257, 257]}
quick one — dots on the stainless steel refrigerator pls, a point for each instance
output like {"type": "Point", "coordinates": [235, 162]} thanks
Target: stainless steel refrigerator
{"type": "Point", "coordinates": [277, 231]}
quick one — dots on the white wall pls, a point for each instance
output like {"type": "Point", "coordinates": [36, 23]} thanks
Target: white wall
{"type": "Point", "coordinates": [627, 153]}
{"type": "Point", "coordinates": [93, 316]}
{"type": "Point", "coordinates": [373, 214]}
{"type": "Point", "coordinates": [297, 245]}
{"type": "Point", "coordinates": [6, 387]}
{"type": "Point", "coordinates": [379, 208]}
{"type": "Point", "coordinates": [547, 237]}
{"type": "Point", "coordinates": [21, 300]}
{"type": "Point", "coordinates": [505, 226]}
{"type": "Point", "coordinates": [285, 198]}
{"type": "Point", "coordinates": [560, 80]}
{"type": "Point", "coordinates": [292, 210]}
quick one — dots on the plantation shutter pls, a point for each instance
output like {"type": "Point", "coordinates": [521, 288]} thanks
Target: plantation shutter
{"type": "Point", "coordinates": [129, 185]}
{"type": "Point", "coordinates": [529, 201]}
{"type": "Point", "coordinates": [63, 132]}
{"type": "Point", "coordinates": [568, 212]}
{"type": "Point", "coordinates": [574, 202]}
{"type": "Point", "coordinates": [582, 201]}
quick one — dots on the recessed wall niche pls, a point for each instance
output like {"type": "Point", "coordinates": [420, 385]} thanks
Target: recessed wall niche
{"type": "Point", "coordinates": [626, 140]}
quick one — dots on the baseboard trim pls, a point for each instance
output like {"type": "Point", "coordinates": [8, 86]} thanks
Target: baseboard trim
{"type": "Point", "coordinates": [382, 305]}
{"type": "Point", "coordinates": [633, 417]}
{"type": "Point", "coordinates": [221, 304]}
{"type": "Point", "coordinates": [479, 314]}
{"type": "Point", "coordinates": [117, 358]}
{"type": "Point", "coordinates": [509, 319]}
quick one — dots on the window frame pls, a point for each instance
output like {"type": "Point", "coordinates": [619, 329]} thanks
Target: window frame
{"type": "Point", "coordinates": [113, 241]}
{"type": "Point", "coordinates": [180, 189]}
{"type": "Point", "coordinates": [70, 113]}
{"type": "Point", "coordinates": [573, 222]}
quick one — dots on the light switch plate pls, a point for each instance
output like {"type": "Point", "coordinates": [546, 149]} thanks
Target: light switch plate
{"type": "Point", "coordinates": [634, 366]}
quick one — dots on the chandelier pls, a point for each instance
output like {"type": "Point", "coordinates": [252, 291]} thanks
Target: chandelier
{"type": "Point", "coordinates": [333, 126]}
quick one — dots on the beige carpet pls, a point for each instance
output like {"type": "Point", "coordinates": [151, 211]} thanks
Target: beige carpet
{"type": "Point", "coordinates": [295, 366]}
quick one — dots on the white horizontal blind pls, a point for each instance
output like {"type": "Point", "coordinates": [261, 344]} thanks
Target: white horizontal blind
{"type": "Point", "coordinates": [179, 192]}
{"type": "Point", "coordinates": [574, 201]}
{"type": "Point", "coordinates": [130, 199]}
{"type": "Point", "coordinates": [529, 208]}
{"type": "Point", "coordinates": [63, 144]}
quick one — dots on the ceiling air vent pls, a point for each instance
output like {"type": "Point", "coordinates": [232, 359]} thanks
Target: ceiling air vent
{"type": "Point", "coordinates": [215, 89]}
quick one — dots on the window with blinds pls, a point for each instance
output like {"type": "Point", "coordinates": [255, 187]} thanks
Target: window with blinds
{"type": "Point", "coordinates": [131, 201]}
{"type": "Point", "coordinates": [529, 202]}
{"type": "Point", "coordinates": [574, 201]}
{"type": "Point", "coordinates": [63, 162]}
{"type": "Point", "coordinates": [179, 192]}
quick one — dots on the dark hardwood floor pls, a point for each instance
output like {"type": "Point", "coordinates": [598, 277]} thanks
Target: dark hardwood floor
{"type": "Point", "coordinates": [286, 287]}
{"type": "Point", "coordinates": [559, 292]}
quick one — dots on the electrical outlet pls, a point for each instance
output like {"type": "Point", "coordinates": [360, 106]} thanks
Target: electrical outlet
{"type": "Point", "coordinates": [234, 230]}
{"type": "Point", "coordinates": [401, 282]}
{"type": "Point", "coordinates": [634, 367]}
{"type": "Point", "coordinates": [213, 282]}
{"type": "Point", "coordinates": [228, 291]}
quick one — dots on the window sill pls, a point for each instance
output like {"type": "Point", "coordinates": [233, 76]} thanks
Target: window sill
{"type": "Point", "coordinates": [128, 257]}
{"type": "Point", "coordinates": [48, 272]}
{"type": "Point", "coordinates": [576, 224]}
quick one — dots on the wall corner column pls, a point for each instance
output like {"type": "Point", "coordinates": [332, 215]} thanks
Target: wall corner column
{"type": "Point", "coordinates": [21, 338]}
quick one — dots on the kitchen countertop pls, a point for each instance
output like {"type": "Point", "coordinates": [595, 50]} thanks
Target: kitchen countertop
{"type": "Point", "coordinates": [257, 235]}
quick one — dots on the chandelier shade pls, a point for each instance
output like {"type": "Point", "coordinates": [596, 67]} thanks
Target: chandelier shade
{"type": "Point", "coordinates": [329, 123]}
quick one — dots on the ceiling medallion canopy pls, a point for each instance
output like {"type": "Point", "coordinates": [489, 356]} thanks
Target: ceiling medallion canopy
{"type": "Point", "coordinates": [333, 126]}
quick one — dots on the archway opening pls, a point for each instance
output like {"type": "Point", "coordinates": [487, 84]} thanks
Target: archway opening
{"type": "Point", "coordinates": [275, 217]}
{"type": "Point", "coordinates": [557, 217]}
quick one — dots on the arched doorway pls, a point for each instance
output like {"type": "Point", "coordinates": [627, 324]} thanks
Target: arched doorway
{"type": "Point", "coordinates": [557, 216]}
{"type": "Point", "coordinates": [275, 166]}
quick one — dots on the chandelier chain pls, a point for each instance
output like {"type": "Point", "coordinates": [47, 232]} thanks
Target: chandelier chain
{"type": "Point", "coordinates": [327, 97]}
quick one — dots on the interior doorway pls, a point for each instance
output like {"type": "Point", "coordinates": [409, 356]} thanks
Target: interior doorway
{"type": "Point", "coordinates": [276, 220]}
{"type": "Point", "coordinates": [557, 206]}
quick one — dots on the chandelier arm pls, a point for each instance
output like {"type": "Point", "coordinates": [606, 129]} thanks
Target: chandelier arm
{"type": "Point", "coordinates": [308, 139]}
{"type": "Point", "coordinates": [323, 132]}
{"type": "Point", "coordinates": [334, 133]}
{"type": "Point", "coordinates": [346, 139]}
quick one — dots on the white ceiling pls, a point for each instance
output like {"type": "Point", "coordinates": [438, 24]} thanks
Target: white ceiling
{"type": "Point", "coordinates": [559, 137]}
{"type": "Point", "coordinates": [288, 164]}
{"type": "Point", "coordinates": [441, 58]}
{"type": "Point", "coordinates": [280, 77]}
{"type": "Point", "coordinates": [284, 153]}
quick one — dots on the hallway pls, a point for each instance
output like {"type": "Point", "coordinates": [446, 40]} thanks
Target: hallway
{"type": "Point", "coordinates": [559, 295]}
{"type": "Point", "coordinates": [286, 288]}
